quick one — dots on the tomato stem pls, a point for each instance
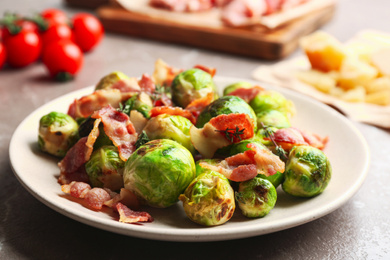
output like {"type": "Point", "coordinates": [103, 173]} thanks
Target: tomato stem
{"type": "Point", "coordinates": [63, 76]}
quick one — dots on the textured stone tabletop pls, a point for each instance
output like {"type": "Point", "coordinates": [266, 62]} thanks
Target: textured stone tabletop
{"type": "Point", "coordinates": [359, 229]}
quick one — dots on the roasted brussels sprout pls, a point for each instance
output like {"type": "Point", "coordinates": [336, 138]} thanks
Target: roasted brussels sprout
{"type": "Point", "coordinates": [256, 197]}
{"type": "Point", "coordinates": [176, 128]}
{"type": "Point", "coordinates": [158, 172]}
{"type": "Point", "coordinates": [57, 133]}
{"type": "Point", "coordinates": [272, 100]}
{"type": "Point", "coordinates": [225, 105]}
{"type": "Point", "coordinates": [209, 199]}
{"type": "Point", "coordinates": [232, 87]}
{"type": "Point", "coordinates": [105, 168]}
{"type": "Point", "coordinates": [308, 172]}
{"type": "Point", "coordinates": [190, 85]}
{"type": "Point", "coordinates": [110, 79]}
{"type": "Point", "coordinates": [140, 102]}
{"type": "Point", "coordinates": [273, 118]}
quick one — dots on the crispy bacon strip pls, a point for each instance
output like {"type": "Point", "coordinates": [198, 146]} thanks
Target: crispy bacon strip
{"type": "Point", "coordinates": [209, 70]}
{"type": "Point", "coordinates": [119, 129]}
{"type": "Point", "coordinates": [233, 121]}
{"type": "Point", "coordinates": [267, 163]}
{"type": "Point", "coordinates": [127, 215]}
{"type": "Point", "coordinates": [246, 94]}
{"type": "Point", "coordinates": [197, 106]}
{"type": "Point", "coordinates": [86, 105]}
{"type": "Point", "coordinates": [127, 85]}
{"type": "Point", "coordinates": [147, 84]}
{"type": "Point", "coordinates": [96, 197]}
{"type": "Point", "coordinates": [176, 111]}
{"type": "Point", "coordinates": [313, 139]}
{"type": "Point", "coordinates": [71, 166]}
{"type": "Point", "coordinates": [289, 137]}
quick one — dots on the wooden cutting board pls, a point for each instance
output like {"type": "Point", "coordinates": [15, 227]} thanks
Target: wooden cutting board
{"type": "Point", "coordinates": [255, 42]}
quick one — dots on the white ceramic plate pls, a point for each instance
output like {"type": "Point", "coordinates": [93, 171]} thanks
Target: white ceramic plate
{"type": "Point", "coordinates": [347, 151]}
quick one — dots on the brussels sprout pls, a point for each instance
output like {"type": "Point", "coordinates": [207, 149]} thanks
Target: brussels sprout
{"type": "Point", "coordinates": [57, 133]}
{"type": "Point", "coordinates": [176, 128]}
{"type": "Point", "coordinates": [256, 197]}
{"type": "Point", "coordinates": [110, 79]}
{"type": "Point", "coordinates": [308, 172]}
{"type": "Point", "coordinates": [190, 85]}
{"type": "Point", "coordinates": [199, 169]}
{"type": "Point", "coordinates": [209, 199]}
{"type": "Point", "coordinates": [272, 100]}
{"type": "Point", "coordinates": [140, 102]}
{"type": "Point", "coordinates": [158, 172]}
{"type": "Point", "coordinates": [225, 105]}
{"type": "Point", "coordinates": [232, 87]}
{"type": "Point", "coordinates": [105, 168]}
{"type": "Point", "coordinates": [273, 118]}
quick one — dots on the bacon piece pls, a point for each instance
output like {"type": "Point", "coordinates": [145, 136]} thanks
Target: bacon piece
{"type": "Point", "coordinates": [125, 197]}
{"type": "Point", "coordinates": [234, 121]}
{"type": "Point", "coordinates": [119, 129]}
{"type": "Point", "coordinates": [76, 189]}
{"type": "Point", "coordinates": [71, 166]}
{"type": "Point", "coordinates": [96, 197]}
{"type": "Point", "coordinates": [147, 84]}
{"type": "Point", "coordinates": [243, 12]}
{"type": "Point", "coordinates": [183, 5]}
{"type": "Point", "coordinates": [175, 111]}
{"type": "Point", "coordinates": [86, 105]}
{"type": "Point", "coordinates": [238, 173]}
{"type": "Point", "coordinates": [164, 74]}
{"type": "Point", "coordinates": [209, 70]}
{"type": "Point", "coordinates": [313, 139]}
{"type": "Point", "coordinates": [246, 94]}
{"type": "Point", "coordinates": [127, 215]}
{"type": "Point", "coordinates": [288, 137]}
{"type": "Point", "coordinates": [197, 105]}
{"type": "Point", "coordinates": [267, 163]}
{"type": "Point", "coordinates": [126, 85]}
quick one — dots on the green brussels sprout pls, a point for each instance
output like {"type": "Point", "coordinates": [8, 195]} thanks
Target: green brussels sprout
{"type": "Point", "coordinates": [199, 169]}
{"type": "Point", "coordinates": [140, 102]}
{"type": "Point", "coordinates": [105, 168]}
{"type": "Point", "coordinates": [158, 172]}
{"type": "Point", "coordinates": [190, 85]}
{"type": "Point", "coordinates": [110, 79]}
{"type": "Point", "coordinates": [272, 100]}
{"type": "Point", "coordinates": [308, 172]}
{"type": "Point", "coordinates": [176, 128]}
{"type": "Point", "coordinates": [232, 87]}
{"type": "Point", "coordinates": [225, 105]}
{"type": "Point", "coordinates": [209, 199]}
{"type": "Point", "coordinates": [273, 118]}
{"type": "Point", "coordinates": [57, 133]}
{"type": "Point", "coordinates": [256, 197]}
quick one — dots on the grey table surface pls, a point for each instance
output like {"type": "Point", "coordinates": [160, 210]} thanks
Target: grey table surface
{"type": "Point", "coordinates": [359, 229]}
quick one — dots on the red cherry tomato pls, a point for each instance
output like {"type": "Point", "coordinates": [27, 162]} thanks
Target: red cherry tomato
{"type": "Point", "coordinates": [55, 33]}
{"type": "Point", "coordinates": [3, 55]}
{"type": "Point", "coordinates": [23, 48]}
{"type": "Point", "coordinates": [63, 59]}
{"type": "Point", "coordinates": [88, 31]}
{"type": "Point", "coordinates": [21, 25]}
{"type": "Point", "coordinates": [55, 16]}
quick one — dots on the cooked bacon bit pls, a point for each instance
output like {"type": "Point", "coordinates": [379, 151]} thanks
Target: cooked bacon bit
{"type": "Point", "coordinates": [244, 172]}
{"type": "Point", "coordinates": [288, 137]}
{"type": "Point", "coordinates": [247, 94]}
{"type": "Point", "coordinates": [127, 215]}
{"type": "Point", "coordinates": [164, 74]}
{"type": "Point", "coordinates": [125, 197]}
{"type": "Point", "coordinates": [174, 111]}
{"type": "Point", "coordinates": [267, 163]}
{"type": "Point", "coordinates": [147, 84]}
{"type": "Point", "coordinates": [127, 85]}
{"type": "Point", "coordinates": [119, 129]}
{"type": "Point", "coordinates": [76, 189]}
{"type": "Point", "coordinates": [86, 105]}
{"type": "Point", "coordinates": [241, 159]}
{"type": "Point", "coordinates": [96, 197]}
{"type": "Point", "coordinates": [243, 12]}
{"type": "Point", "coordinates": [197, 106]}
{"type": "Point", "coordinates": [209, 70]}
{"type": "Point", "coordinates": [233, 121]}
{"type": "Point", "coordinates": [313, 139]}
{"type": "Point", "coordinates": [183, 5]}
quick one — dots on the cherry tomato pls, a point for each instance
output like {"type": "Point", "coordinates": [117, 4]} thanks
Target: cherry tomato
{"type": "Point", "coordinates": [23, 48]}
{"type": "Point", "coordinates": [19, 25]}
{"type": "Point", "coordinates": [63, 59]}
{"type": "Point", "coordinates": [54, 16]}
{"type": "Point", "coordinates": [88, 31]}
{"type": "Point", "coordinates": [3, 55]}
{"type": "Point", "coordinates": [55, 33]}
